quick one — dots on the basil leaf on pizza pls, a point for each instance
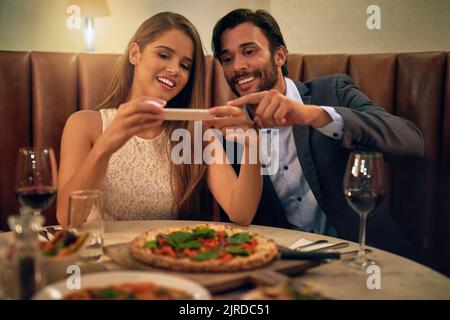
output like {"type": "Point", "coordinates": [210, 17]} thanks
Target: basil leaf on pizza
{"type": "Point", "coordinates": [108, 293]}
{"type": "Point", "coordinates": [239, 238]}
{"type": "Point", "coordinates": [178, 238]}
{"type": "Point", "coordinates": [203, 233]}
{"type": "Point", "coordinates": [151, 244]}
{"type": "Point", "coordinates": [203, 248]}
{"type": "Point", "coordinates": [205, 255]}
{"type": "Point", "coordinates": [237, 251]}
{"type": "Point", "coordinates": [192, 245]}
{"type": "Point", "coordinates": [129, 291]}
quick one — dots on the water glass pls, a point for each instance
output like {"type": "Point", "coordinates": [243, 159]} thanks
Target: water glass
{"type": "Point", "coordinates": [85, 205]}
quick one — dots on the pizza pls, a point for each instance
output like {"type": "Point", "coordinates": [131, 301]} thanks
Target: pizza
{"type": "Point", "coordinates": [203, 248]}
{"type": "Point", "coordinates": [283, 291]}
{"type": "Point", "coordinates": [129, 291]}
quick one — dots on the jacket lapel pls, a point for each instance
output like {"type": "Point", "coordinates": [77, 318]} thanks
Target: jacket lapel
{"type": "Point", "coordinates": [304, 92]}
{"type": "Point", "coordinates": [302, 136]}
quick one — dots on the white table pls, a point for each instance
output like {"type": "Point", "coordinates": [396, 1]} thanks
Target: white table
{"type": "Point", "coordinates": [400, 278]}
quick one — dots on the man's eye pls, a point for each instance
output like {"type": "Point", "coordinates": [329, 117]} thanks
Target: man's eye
{"type": "Point", "coordinates": [249, 52]}
{"type": "Point", "coordinates": [226, 59]}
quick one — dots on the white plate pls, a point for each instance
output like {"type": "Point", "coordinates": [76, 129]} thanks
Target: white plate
{"type": "Point", "coordinates": [187, 114]}
{"type": "Point", "coordinates": [58, 290]}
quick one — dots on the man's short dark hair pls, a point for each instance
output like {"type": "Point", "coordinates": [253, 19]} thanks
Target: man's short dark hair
{"type": "Point", "coordinates": [260, 18]}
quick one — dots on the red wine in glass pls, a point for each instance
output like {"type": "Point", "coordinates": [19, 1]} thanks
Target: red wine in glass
{"type": "Point", "coordinates": [36, 178]}
{"type": "Point", "coordinates": [38, 197]}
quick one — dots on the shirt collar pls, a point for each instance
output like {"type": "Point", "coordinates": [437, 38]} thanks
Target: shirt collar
{"type": "Point", "coordinates": [292, 91]}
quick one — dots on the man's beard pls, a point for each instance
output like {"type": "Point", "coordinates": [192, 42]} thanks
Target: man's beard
{"type": "Point", "coordinates": [268, 78]}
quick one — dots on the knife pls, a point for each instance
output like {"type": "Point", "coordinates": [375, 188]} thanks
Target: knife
{"type": "Point", "coordinates": [338, 245]}
{"type": "Point", "coordinates": [289, 254]}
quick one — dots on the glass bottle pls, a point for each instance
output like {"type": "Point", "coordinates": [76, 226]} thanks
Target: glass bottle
{"type": "Point", "coordinates": [27, 257]}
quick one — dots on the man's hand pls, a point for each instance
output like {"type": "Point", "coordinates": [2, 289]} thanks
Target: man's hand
{"type": "Point", "coordinates": [228, 119]}
{"type": "Point", "coordinates": [274, 109]}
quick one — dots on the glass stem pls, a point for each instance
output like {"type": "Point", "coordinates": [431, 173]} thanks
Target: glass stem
{"type": "Point", "coordinates": [362, 234]}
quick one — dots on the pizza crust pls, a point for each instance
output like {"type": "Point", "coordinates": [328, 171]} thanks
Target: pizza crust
{"type": "Point", "coordinates": [265, 252]}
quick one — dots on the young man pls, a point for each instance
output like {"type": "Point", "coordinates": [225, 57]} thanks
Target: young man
{"type": "Point", "coordinates": [320, 123]}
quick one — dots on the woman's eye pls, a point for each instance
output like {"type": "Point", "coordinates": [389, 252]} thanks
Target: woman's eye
{"type": "Point", "coordinates": [186, 66]}
{"type": "Point", "coordinates": [164, 55]}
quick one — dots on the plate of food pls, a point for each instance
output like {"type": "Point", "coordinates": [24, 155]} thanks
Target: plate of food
{"type": "Point", "coordinates": [203, 248]}
{"type": "Point", "coordinates": [62, 251]}
{"type": "Point", "coordinates": [126, 285]}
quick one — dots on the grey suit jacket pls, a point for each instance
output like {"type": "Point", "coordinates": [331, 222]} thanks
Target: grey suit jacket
{"type": "Point", "coordinates": [323, 160]}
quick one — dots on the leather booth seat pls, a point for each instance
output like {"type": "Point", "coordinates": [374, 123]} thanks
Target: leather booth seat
{"type": "Point", "coordinates": [39, 90]}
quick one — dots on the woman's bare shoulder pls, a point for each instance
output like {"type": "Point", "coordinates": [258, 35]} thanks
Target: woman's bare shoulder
{"type": "Point", "coordinates": [85, 117]}
{"type": "Point", "coordinates": [85, 122]}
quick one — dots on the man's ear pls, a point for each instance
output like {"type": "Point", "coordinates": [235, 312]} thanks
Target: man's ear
{"type": "Point", "coordinates": [280, 56]}
{"type": "Point", "coordinates": [135, 54]}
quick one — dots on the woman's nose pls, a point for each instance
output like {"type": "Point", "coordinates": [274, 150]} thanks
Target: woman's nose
{"type": "Point", "coordinates": [173, 69]}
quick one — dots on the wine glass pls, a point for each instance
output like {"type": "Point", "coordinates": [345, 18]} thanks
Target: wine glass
{"type": "Point", "coordinates": [364, 190]}
{"type": "Point", "coordinates": [36, 175]}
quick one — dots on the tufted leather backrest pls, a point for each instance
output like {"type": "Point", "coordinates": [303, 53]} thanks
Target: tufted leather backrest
{"type": "Point", "coordinates": [441, 252]}
{"type": "Point", "coordinates": [54, 96]}
{"type": "Point", "coordinates": [419, 98]}
{"type": "Point", "coordinates": [38, 91]}
{"type": "Point", "coordinates": [95, 72]}
{"type": "Point", "coordinates": [15, 126]}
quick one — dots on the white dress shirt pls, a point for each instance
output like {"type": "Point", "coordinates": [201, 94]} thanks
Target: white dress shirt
{"type": "Point", "coordinates": [301, 206]}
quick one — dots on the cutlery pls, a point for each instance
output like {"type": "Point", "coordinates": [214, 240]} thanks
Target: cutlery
{"type": "Point", "coordinates": [338, 245]}
{"type": "Point", "coordinates": [355, 252]}
{"type": "Point", "coordinates": [287, 253]}
{"type": "Point", "coordinates": [48, 233]}
{"type": "Point", "coordinates": [52, 230]}
{"type": "Point", "coordinates": [310, 244]}
{"type": "Point", "coordinates": [44, 234]}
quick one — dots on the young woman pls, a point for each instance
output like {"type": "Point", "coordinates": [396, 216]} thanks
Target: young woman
{"type": "Point", "coordinates": [124, 148]}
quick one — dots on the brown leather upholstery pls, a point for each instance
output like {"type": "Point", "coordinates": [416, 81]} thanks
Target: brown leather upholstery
{"type": "Point", "coordinates": [415, 86]}
{"type": "Point", "coordinates": [375, 75]}
{"type": "Point", "coordinates": [295, 66]}
{"type": "Point", "coordinates": [419, 97]}
{"type": "Point", "coordinates": [14, 123]}
{"type": "Point", "coordinates": [95, 72]}
{"type": "Point", "coordinates": [315, 66]}
{"type": "Point", "coordinates": [55, 95]}
{"type": "Point", "coordinates": [441, 245]}
{"type": "Point", "coordinates": [55, 98]}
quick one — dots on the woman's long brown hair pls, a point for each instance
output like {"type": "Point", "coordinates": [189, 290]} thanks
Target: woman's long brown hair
{"type": "Point", "coordinates": [187, 180]}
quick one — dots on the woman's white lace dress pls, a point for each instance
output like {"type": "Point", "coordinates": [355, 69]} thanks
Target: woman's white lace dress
{"type": "Point", "coordinates": [137, 181]}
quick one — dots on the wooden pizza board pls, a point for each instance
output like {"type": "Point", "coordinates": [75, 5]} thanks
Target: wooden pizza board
{"type": "Point", "coordinates": [276, 271]}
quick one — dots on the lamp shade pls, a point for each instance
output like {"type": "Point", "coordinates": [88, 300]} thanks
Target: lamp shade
{"type": "Point", "coordinates": [91, 8]}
